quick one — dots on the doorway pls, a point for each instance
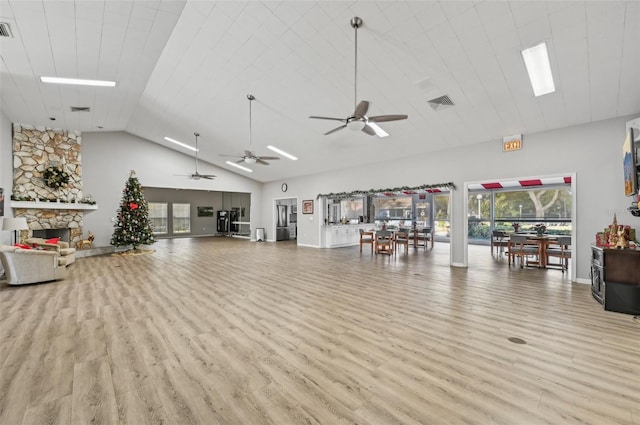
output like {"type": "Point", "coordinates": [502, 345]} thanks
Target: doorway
{"type": "Point", "coordinates": [285, 219]}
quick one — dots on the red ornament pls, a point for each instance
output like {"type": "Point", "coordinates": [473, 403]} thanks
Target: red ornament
{"type": "Point", "coordinates": [133, 205]}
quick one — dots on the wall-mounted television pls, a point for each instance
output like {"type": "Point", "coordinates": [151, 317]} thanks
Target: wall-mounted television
{"type": "Point", "coordinates": [630, 165]}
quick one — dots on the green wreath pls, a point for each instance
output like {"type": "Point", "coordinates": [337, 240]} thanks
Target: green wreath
{"type": "Point", "coordinates": [55, 177]}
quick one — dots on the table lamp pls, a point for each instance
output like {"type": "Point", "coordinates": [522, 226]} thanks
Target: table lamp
{"type": "Point", "coordinates": [15, 224]}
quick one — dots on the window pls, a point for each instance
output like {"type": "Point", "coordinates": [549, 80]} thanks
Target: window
{"type": "Point", "coordinates": [181, 218]}
{"type": "Point", "coordinates": [158, 217]}
{"type": "Point", "coordinates": [441, 212]}
{"type": "Point", "coordinates": [352, 207]}
{"type": "Point", "coordinates": [521, 208]}
{"type": "Point", "coordinates": [387, 208]}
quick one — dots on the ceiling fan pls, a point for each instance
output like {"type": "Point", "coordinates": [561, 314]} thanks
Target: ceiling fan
{"type": "Point", "coordinates": [359, 119]}
{"type": "Point", "coordinates": [197, 175]}
{"type": "Point", "coordinates": [249, 156]}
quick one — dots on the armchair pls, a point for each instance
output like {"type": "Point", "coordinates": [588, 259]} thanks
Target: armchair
{"type": "Point", "coordinates": [66, 255]}
{"type": "Point", "coordinates": [24, 266]}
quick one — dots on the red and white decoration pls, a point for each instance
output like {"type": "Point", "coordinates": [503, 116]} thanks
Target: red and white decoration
{"type": "Point", "coordinates": [521, 183]}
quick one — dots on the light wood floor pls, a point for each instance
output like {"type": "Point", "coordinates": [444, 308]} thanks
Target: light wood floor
{"type": "Point", "coordinates": [226, 331]}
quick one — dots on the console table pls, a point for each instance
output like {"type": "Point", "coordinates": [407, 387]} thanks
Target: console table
{"type": "Point", "coordinates": [615, 278]}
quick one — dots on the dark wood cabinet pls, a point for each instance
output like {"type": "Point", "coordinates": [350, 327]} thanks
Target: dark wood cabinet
{"type": "Point", "coordinates": [615, 279]}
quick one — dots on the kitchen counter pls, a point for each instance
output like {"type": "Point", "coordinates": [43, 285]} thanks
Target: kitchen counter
{"type": "Point", "coordinates": [341, 235]}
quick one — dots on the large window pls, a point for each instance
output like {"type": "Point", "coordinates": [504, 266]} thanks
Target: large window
{"type": "Point", "coordinates": [159, 217]}
{"type": "Point", "coordinates": [441, 213]}
{"type": "Point", "coordinates": [521, 208]}
{"type": "Point", "coordinates": [181, 218]}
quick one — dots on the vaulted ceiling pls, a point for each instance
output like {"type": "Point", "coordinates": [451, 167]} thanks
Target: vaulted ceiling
{"type": "Point", "coordinates": [186, 66]}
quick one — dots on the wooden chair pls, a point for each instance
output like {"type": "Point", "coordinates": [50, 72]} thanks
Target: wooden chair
{"type": "Point", "coordinates": [366, 237]}
{"type": "Point", "coordinates": [521, 246]}
{"type": "Point", "coordinates": [561, 249]}
{"type": "Point", "coordinates": [401, 237]}
{"type": "Point", "coordinates": [499, 240]}
{"type": "Point", "coordinates": [384, 242]}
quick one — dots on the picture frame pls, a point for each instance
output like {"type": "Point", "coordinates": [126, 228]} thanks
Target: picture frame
{"type": "Point", "coordinates": [307, 206]}
{"type": "Point", "coordinates": [205, 211]}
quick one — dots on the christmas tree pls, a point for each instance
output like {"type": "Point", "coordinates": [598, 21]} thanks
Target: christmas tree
{"type": "Point", "coordinates": [133, 227]}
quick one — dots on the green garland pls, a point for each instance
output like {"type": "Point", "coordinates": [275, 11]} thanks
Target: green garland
{"type": "Point", "coordinates": [341, 195]}
{"type": "Point", "coordinates": [56, 177]}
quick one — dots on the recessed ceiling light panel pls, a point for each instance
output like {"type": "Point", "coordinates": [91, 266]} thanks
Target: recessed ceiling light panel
{"type": "Point", "coordinates": [536, 59]}
{"type": "Point", "coordinates": [78, 81]}
{"type": "Point", "coordinates": [283, 153]}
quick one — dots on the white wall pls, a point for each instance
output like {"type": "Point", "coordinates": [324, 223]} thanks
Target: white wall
{"type": "Point", "coordinates": [108, 157]}
{"type": "Point", "coordinates": [592, 151]}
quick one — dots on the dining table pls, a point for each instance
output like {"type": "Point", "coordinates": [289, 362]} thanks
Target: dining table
{"type": "Point", "coordinates": [543, 242]}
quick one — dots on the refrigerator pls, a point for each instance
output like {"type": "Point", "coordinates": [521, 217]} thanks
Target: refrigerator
{"type": "Point", "coordinates": [282, 233]}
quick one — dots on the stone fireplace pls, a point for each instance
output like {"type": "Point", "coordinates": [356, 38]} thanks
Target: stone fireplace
{"type": "Point", "coordinates": [53, 221]}
{"type": "Point", "coordinates": [46, 208]}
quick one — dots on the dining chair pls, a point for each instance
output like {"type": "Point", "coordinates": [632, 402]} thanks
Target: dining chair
{"type": "Point", "coordinates": [521, 246]}
{"type": "Point", "coordinates": [401, 237]}
{"type": "Point", "coordinates": [561, 249]}
{"type": "Point", "coordinates": [366, 237]}
{"type": "Point", "coordinates": [424, 237]}
{"type": "Point", "coordinates": [384, 242]}
{"type": "Point", "coordinates": [499, 240]}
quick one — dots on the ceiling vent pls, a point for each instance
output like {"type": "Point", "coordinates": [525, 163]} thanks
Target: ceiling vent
{"type": "Point", "coordinates": [80, 109]}
{"type": "Point", "coordinates": [5, 30]}
{"type": "Point", "coordinates": [441, 102]}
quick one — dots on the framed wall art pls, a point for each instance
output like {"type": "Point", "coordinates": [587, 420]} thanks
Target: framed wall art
{"type": "Point", "coordinates": [307, 206]}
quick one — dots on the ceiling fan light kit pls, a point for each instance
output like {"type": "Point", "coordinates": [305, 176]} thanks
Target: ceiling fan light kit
{"type": "Point", "coordinates": [359, 121]}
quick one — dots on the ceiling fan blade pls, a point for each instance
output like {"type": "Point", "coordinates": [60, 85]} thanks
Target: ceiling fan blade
{"type": "Point", "coordinates": [329, 118]}
{"type": "Point", "coordinates": [361, 109]}
{"type": "Point", "coordinates": [269, 158]}
{"type": "Point", "coordinates": [376, 130]}
{"type": "Point", "coordinates": [369, 130]}
{"type": "Point", "coordinates": [207, 176]}
{"type": "Point", "coordinates": [335, 129]}
{"type": "Point", "coordinates": [240, 161]}
{"type": "Point", "coordinates": [260, 161]}
{"type": "Point", "coordinates": [383, 118]}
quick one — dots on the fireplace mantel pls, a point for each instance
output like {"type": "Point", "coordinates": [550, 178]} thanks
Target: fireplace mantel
{"type": "Point", "coordinates": [53, 205]}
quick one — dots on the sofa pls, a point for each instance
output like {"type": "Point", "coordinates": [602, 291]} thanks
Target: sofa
{"type": "Point", "coordinates": [22, 266]}
{"type": "Point", "coordinates": [66, 255]}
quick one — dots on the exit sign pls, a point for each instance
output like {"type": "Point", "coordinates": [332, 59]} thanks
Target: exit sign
{"type": "Point", "coordinates": [512, 143]}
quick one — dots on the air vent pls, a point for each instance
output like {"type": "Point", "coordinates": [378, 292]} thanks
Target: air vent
{"type": "Point", "coordinates": [441, 102]}
{"type": "Point", "coordinates": [80, 109]}
{"type": "Point", "coordinates": [5, 30]}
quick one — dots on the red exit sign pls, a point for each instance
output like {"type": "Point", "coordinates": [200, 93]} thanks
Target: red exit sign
{"type": "Point", "coordinates": [512, 143]}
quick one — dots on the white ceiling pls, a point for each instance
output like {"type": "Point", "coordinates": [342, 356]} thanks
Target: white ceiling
{"type": "Point", "coordinates": [185, 66]}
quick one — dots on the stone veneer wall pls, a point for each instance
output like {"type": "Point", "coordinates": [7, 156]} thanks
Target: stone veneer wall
{"type": "Point", "coordinates": [34, 150]}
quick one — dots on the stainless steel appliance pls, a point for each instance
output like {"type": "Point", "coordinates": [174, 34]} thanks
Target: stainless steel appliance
{"type": "Point", "coordinates": [282, 215]}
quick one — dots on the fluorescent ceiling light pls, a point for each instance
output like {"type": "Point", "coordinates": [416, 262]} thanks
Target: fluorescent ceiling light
{"type": "Point", "coordinates": [240, 166]}
{"type": "Point", "coordinates": [169, 139]}
{"type": "Point", "coordinates": [78, 81]}
{"type": "Point", "coordinates": [536, 59]}
{"type": "Point", "coordinates": [283, 153]}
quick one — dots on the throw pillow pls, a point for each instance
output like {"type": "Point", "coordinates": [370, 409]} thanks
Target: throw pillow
{"type": "Point", "coordinates": [23, 246]}
{"type": "Point", "coordinates": [53, 240]}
